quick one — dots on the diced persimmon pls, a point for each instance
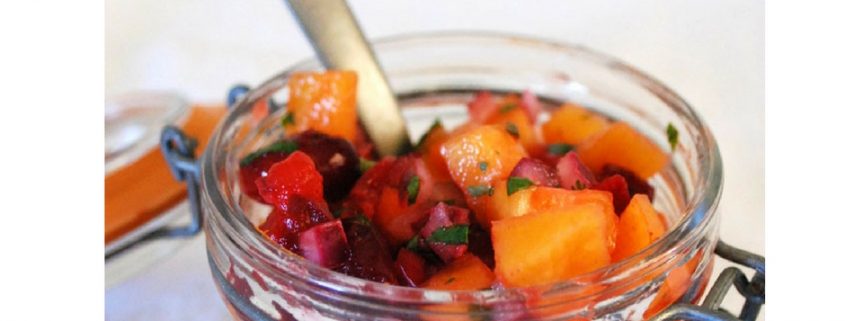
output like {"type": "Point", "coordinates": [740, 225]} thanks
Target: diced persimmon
{"type": "Point", "coordinates": [639, 226]}
{"type": "Point", "coordinates": [542, 306]}
{"type": "Point", "coordinates": [447, 312]}
{"type": "Point", "coordinates": [479, 157]}
{"type": "Point", "coordinates": [674, 286]}
{"type": "Point", "coordinates": [549, 198]}
{"type": "Point", "coordinates": [504, 206]}
{"type": "Point", "coordinates": [573, 124]}
{"type": "Point", "coordinates": [389, 207]}
{"type": "Point", "coordinates": [516, 122]}
{"type": "Point", "coordinates": [622, 145]}
{"type": "Point", "coordinates": [395, 219]}
{"type": "Point", "coordinates": [323, 101]}
{"type": "Point", "coordinates": [467, 272]}
{"type": "Point", "coordinates": [551, 246]}
{"type": "Point", "coordinates": [429, 150]}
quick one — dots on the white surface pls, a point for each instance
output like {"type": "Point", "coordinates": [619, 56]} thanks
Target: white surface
{"type": "Point", "coordinates": [711, 52]}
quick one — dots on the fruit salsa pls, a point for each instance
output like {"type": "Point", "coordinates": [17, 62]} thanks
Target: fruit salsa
{"type": "Point", "coordinates": [504, 200]}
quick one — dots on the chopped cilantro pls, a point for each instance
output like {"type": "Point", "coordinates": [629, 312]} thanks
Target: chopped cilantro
{"type": "Point", "coordinates": [413, 244]}
{"type": "Point", "coordinates": [337, 212]}
{"type": "Point", "coordinates": [437, 124]}
{"type": "Point", "coordinates": [511, 128]}
{"type": "Point", "coordinates": [506, 108]}
{"type": "Point", "coordinates": [578, 185]}
{"type": "Point", "coordinates": [287, 119]}
{"type": "Point", "coordinates": [361, 219]}
{"type": "Point", "coordinates": [482, 166]}
{"type": "Point", "coordinates": [480, 190]}
{"type": "Point", "coordinates": [672, 134]}
{"type": "Point", "coordinates": [450, 280]}
{"type": "Point", "coordinates": [365, 164]}
{"type": "Point", "coordinates": [560, 149]}
{"type": "Point", "coordinates": [455, 234]}
{"type": "Point", "coordinates": [284, 146]}
{"type": "Point", "coordinates": [516, 184]}
{"type": "Point", "coordinates": [449, 202]}
{"type": "Point", "coordinates": [413, 189]}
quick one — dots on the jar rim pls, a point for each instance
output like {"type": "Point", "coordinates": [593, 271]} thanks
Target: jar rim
{"type": "Point", "coordinates": [699, 210]}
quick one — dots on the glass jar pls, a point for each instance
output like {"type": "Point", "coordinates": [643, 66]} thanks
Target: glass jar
{"type": "Point", "coordinates": [434, 75]}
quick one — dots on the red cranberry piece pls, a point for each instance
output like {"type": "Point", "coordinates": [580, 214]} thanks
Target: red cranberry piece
{"type": "Point", "coordinates": [636, 185]}
{"type": "Point", "coordinates": [363, 144]}
{"type": "Point", "coordinates": [369, 254]}
{"type": "Point", "coordinates": [256, 166]}
{"type": "Point", "coordinates": [481, 107]}
{"type": "Point", "coordinates": [480, 245]}
{"type": "Point", "coordinates": [531, 105]}
{"type": "Point", "coordinates": [573, 174]}
{"type": "Point", "coordinates": [284, 224]}
{"type": "Point", "coordinates": [617, 186]}
{"type": "Point", "coordinates": [535, 170]}
{"type": "Point", "coordinates": [364, 196]}
{"type": "Point", "coordinates": [295, 175]}
{"type": "Point", "coordinates": [443, 216]}
{"type": "Point", "coordinates": [324, 244]}
{"type": "Point", "coordinates": [411, 267]}
{"type": "Point", "coordinates": [334, 158]}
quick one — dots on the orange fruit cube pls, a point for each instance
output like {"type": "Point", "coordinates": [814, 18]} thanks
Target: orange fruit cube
{"type": "Point", "coordinates": [551, 246]}
{"type": "Point", "coordinates": [573, 124]}
{"type": "Point", "coordinates": [322, 101]}
{"type": "Point", "coordinates": [467, 272]}
{"type": "Point", "coordinates": [504, 206]}
{"type": "Point", "coordinates": [429, 150]}
{"type": "Point", "coordinates": [622, 145]}
{"type": "Point", "coordinates": [515, 121]}
{"type": "Point", "coordinates": [550, 198]}
{"type": "Point", "coordinates": [477, 158]}
{"type": "Point", "coordinates": [639, 226]}
{"type": "Point", "coordinates": [674, 286]}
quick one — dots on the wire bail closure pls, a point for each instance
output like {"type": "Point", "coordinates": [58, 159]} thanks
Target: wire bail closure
{"type": "Point", "coordinates": [754, 291]}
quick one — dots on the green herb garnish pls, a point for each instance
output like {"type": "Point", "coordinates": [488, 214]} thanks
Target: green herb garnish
{"type": "Point", "coordinates": [361, 219]}
{"type": "Point", "coordinates": [578, 185]}
{"type": "Point", "coordinates": [455, 234]}
{"type": "Point", "coordinates": [337, 212]}
{"type": "Point", "coordinates": [365, 164]}
{"type": "Point", "coordinates": [480, 190]}
{"type": "Point", "coordinates": [482, 166]}
{"type": "Point", "coordinates": [284, 146]}
{"type": "Point", "coordinates": [413, 244]}
{"type": "Point", "coordinates": [437, 124]}
{"type": "Point", "coordinates": [287, 119]}
{"type": "Point", "coordinates": [449, 202]}
{"type": "Point", "coordinates": [511, 128]}
{"type": "Point", "coordinates": [560, 149]}
{"type": "Point", "coordinates": [506, 108]}
{"type": "Point", "coordinates": [672, 134]}
{"type": "Point", "coordinates": [413, 189]}
{"type": "Point", "coordinates": [516, 184]}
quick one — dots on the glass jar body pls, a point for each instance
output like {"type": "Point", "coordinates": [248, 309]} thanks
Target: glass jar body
{"type": "Point", "coordinates": [434, 77]}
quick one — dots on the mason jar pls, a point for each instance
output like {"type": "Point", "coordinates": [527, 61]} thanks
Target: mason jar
{"type": "Point", "coordinates": [434, 76]}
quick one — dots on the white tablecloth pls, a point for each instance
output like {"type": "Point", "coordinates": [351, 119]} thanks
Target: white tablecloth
{"type": "Point", "coordinates": [711, 52]}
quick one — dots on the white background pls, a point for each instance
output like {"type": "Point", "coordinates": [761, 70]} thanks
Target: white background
{"type": "Point", "coordinates": [710, 52]}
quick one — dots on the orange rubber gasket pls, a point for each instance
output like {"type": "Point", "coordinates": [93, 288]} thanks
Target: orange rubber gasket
{"type": "Point", "coordinates": [140, 191]}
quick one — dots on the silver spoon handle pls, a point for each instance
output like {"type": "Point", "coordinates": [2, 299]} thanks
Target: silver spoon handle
{"type": "Point", "coordinates": [335, 35]}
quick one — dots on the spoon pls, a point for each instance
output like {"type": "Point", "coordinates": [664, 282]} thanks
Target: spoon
{"type": "Point", "coordinates": [335, 35]}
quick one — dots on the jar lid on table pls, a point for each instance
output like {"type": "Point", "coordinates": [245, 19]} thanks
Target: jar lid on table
{"type": "Point", "coordinates": [141, 194]}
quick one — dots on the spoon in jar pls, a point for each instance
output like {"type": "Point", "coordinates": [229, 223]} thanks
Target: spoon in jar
{"type": "Point", "coordinates": [335, 35]}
